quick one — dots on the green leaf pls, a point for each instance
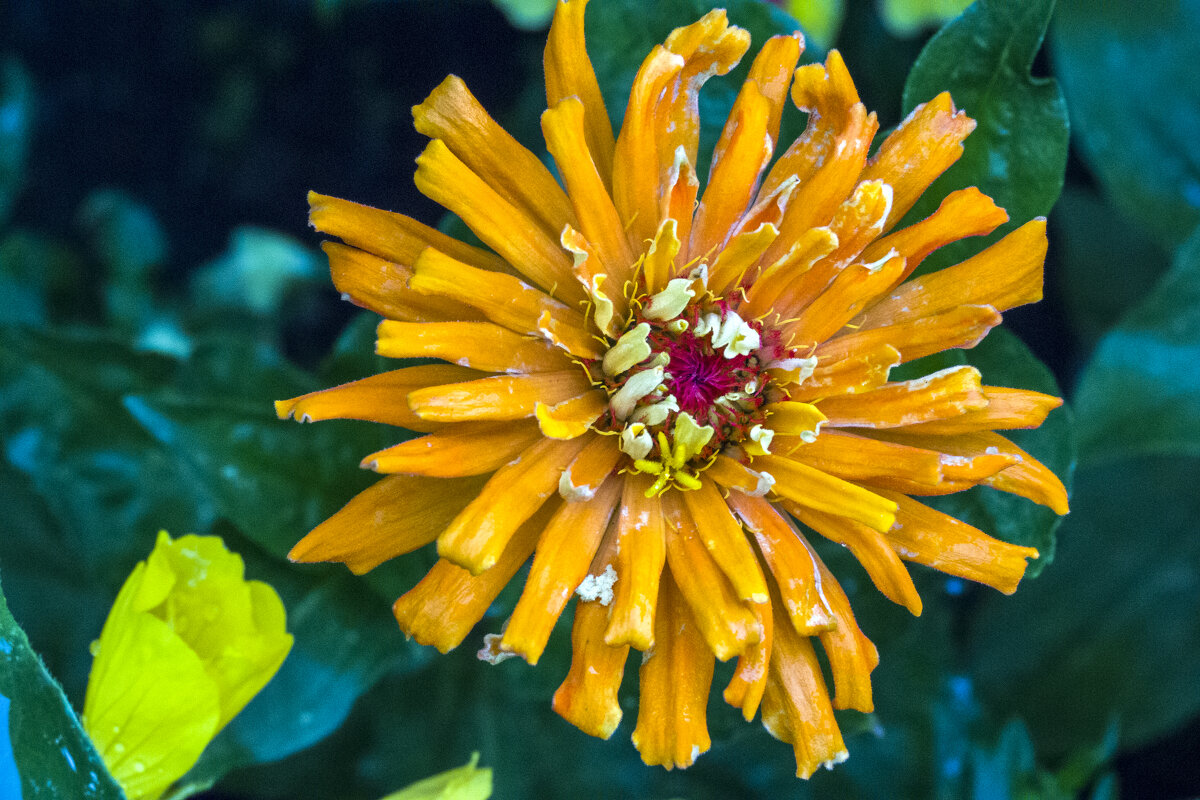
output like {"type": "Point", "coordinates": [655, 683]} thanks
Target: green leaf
{"type": "Point", "coordinates": [1113, 629]}
{"type": "Point", "coordinates": [1004, 360]}
{"type": "Point", "coordinates": [1140, 393]}
{"type": "Point", "coordinates": [908, 17]}
{"type": "Point", "coordinates": [1018, 153]}
{"type": "Point", "coordinates": [54, 756]}
{"type": "Point", "coordinates": [16, 123]}
{"type": "Point", "coordinates": [1128, 71]}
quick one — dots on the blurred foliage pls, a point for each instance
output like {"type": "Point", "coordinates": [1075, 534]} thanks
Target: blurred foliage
{"type": "Point", "coordinates": [152, 310]}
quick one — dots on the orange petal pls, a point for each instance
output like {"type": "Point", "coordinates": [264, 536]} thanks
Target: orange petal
{"type": "Point", "coordinates": [921, 148]}
{"type": "Point", "coordinates": [505, 300]}
{"type": "Point", "coordinates": [680, 187]}
{"type": "Point", "coordinates": [936, 540]}
{"type": "Point", "coordinates": [824, 492]}
{"type": "Point", "coordinates": [1007, 274]}
{"type": "Point", "coordinates": [726, 623]}
{"type": "Point", "coordinates": [573, 417]}
{"type": "Point", "coordinates": [772, 71]}
{"type": "Point", "coordinates": [478, 535]}
{"type": "Point", "coordinates": [565, 130]}
{"type": "Point", "coordinates": [395, 516]}
{"type": "Point", "coordinates": [445, 179]}
{"type": "Point", "coordinates": [460, 450]}
{"type": "Point", "coordinates": [659, 264]}
{"type": "Point", "coordinates": [791, 561]}
{"type": "Point", "coordinates": [381, 286]}
{"type": "Point", "coordinates": [840, 302]}
{"type": "Point", "coordinates": [735, 259]}
{"type": "Point", "coordinates": [592, 467]}
{"type": "Point", "coordinates": [641, 554]}
{"type": "Point", "coordinates": [722, 534]}
{"type": "Point", "coordinates": [851, 654]}
{"type": "Point", "coordinates": [777, 278]}
{"type": "Point", "coordinates": [859, 371]}
{"type": "Point", "coordinates": [964, 326]}
{"type": "Point", "coordinates": [740, 156]}
{"type": "Point", "coordinates": [963, 213]}
{"type": "Point", "coordinates": [498, 397]}
{"type": "Point", "coordinates": [940, 395]}
{"type": "Point", "coordinates": [563, 556]}
{"type": "Point", "coordinates": [479, 345]}
{"type": "Point", "coordinates": [872, 550]}
{"type": "Point", "coordinates": [1006, 409]}
{"type": "Point", "coordinates": [745, 689]}
{"type": "Point", "coordinates": [379, 398]}
{"type": "Point", "coordinates": [588, 697]}
{"type": "Point", "coordinates": [796, 705]}
{"type": "Point", "coordinates": [453, 115]}
{"type": "Point", "coordinates": [858, 458]}
{"type": "Point", "coordinates": [730, 474]}
{"type": "Point", "coordinates": [392, 236]}
{"type": "Point", "coordinates": [447, 603]}
{"type": "Point", "coordinates": [569, 73]}
{"type": "Point", "coordinates": [674, 681]}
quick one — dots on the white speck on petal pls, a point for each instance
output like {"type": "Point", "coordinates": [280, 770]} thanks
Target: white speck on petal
{"type": "Point", "coordinates": [598, 587]}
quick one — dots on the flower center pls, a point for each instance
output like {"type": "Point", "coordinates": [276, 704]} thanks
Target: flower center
{"type": "Point", "coordinates": [687, 380]}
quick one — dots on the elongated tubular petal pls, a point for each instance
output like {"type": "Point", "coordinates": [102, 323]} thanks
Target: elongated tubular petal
{"type": "Point", "coordinates": [852, 656]}
{"type": "Point", "coordinates": [564, 553]}
{"type": "Point", "coordinates": [508, 230]}
{"type": "Point", "coordinates": [1006, 409]}
{"type": "Point", "coordinates": [722, 534]}
{"type": "Point", "coordinates": [453, 115]}
{"type": "Point", "coordinates": [480, 345]}
{"type": "Point", "coordinates": [609, 305]}
{"type": "Point", "coordinates": [473, 448]}
{"type": "Point", "coordinates": [775, 280]}
{"type": "Point", "coordinates": [921, 148]}
{"type": "Point", "coordinates": [791, 418]}
{"type": "Point", "coordinates": [447, 603]}
{"type": "Point", "coordinates": [588, 697]}
{"type": "Point", "coordinates": [795, 705]}
{"type": "Point", "coordinates": [729, 474]}
{"type": "Point", "coordinates": [824, 492]}
{"type": "Point", "coordinates": [505, 300]}
{"type": "Point", "coordinates": [840, 302]}
{"type": "Point", "coordinates": [791, 561]}
{"type": "Point", "coordinates": [563, 125]}
{"type": "Point", "coordinates": [391, 236]}
{"type": "Point", "coordinates": [735, 259]}
{"type": "Point", "coordinates": [569, 73]}
{"type": "Point", "coordinates": [659, 265]}
{"type": "Point", "coordinates": [1027, 477]}
{"type": "Point", "coordinates": [858, 458]}
{"type": "Point", "coordinates": [498, 397]}
{"type": "Point", "coordinates": [379, 285]}
{"type": "Point", "coordinates": [678, 204]}
{"type": "Point", "coordinates": [964, 326]}
{"type": "Point", "coordinates": [871, 548]}
{"type": "Point", "coordinates": [857, 372]}
{"type": "Point", "coordinates": [674, 682]}
{"type": "Point", "coordinates": [963, 213]}
{"type": "Point", "coordinates": [636, 161]}
{"type": "Point", "coordinates": [379, 398]}
{"type": "Point", "coordinates": [940, 395]}
{"type": "Point", "coordinates": [726, 623]}
{"type": "Point", "coordinates": [641, 554]}
{"type": "Point", "coordinates": [1007, 274]}
{"type": "Point", "coordinates": [772, 72]}
{"type": "Point", "coordinates": [478, 535]}
{"type": "Point", "coordinates": [572, 417]}
{"type": "Point", "coordinates": [591, 468]}
{"type": "Point", "coordinates": [745, 689]}
{"type": "Point", "coordinates": [396, 515]}
{"type": "Point", "coordinates": [740, 156]}
{"type": "Point", "coordinates": [929, 537]}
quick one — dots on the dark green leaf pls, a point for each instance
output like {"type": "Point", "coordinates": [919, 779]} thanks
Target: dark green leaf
{"type": "Point", "coordinates": [16, 123]}
{"type": "Point", "coordinates": [1140, 394]}
{"type": "Point", "coordinates": [1128, 70]}
{"type": "Point", "coordinates": [1018, 153]}
{"type": "Point", "coordinates": [54, 756]}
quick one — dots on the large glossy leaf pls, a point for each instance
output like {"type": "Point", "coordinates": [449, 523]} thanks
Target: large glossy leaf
{"type": "Point", "coordinates": [1140, 393]}
{"type": "Point", "coordinates": [55, 758]}
{"type": "Point", "coordinates": [1128, 71]}
{"type": "Point", "coordinates": [1018, 152]}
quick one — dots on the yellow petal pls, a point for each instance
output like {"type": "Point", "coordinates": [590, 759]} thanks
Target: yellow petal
{"type": "Point", "coordinates": [479, 345]}
{"type": "Point", "coordinates": [855, 372]}
{"type": "Point", "coordinates": [824, 492]}
{"type": "Point", "coordinates": [772, 72]}
{"type": "Point", "coordinates": [858, 458]}
{"type": "Point", "coordinates": [722, 534]}
{"type": "Point", "coordinates": [379, 285]}
{"type": "Point", "coordinates": [501, 397]}
{"type": "Point", "coordinates": [641, 554]}
{"type": "Point", "coordinates": [569, 73]}
{"type": "Point", "coordinates": [572, 417]}
{"type": "Point", "coordinates": [592, 467]}
{"type": "Point", "coordinates": [457, 451]}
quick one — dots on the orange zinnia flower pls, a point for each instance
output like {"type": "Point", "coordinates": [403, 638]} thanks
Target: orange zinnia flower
{"type": "Point", "coordinates": [642, 392]}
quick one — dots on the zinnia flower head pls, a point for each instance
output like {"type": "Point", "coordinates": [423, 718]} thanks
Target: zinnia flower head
{"type": "Point", "coordinates": [647, 383]}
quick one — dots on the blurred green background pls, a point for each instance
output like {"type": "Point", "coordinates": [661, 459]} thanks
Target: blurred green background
{"type": "Point", "coordinates": [159, 287]}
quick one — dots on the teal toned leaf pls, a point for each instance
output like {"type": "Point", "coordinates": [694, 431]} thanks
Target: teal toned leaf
{"type": "Point", "coordinates": [55, 758]}
{"type": "Point", "coordinates": [1128, 70]}
{"type": "Point", "coordinates": [1140, 393]}
{"type": "Point", "coordinates": [16, 122]}
{"type": "Point", "coordinates": [528, 15]}
{"type": "Point", "coordinates": [256, 272]}
{"type": "Point", "coordinates": [1018, 153]}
